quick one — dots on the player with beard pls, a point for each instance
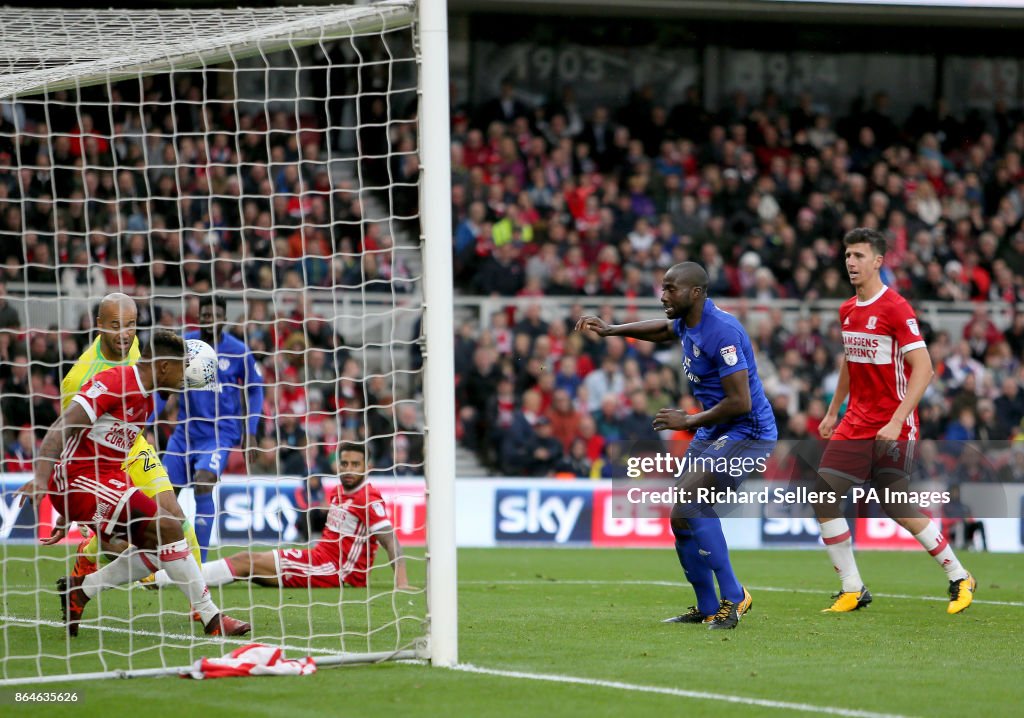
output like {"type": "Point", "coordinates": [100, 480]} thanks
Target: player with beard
{"type": "Point", "coordinates": [357, 522]}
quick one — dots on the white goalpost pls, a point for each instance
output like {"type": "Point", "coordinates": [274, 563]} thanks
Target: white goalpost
{"type": "Point", "coordinates": [292, 165]}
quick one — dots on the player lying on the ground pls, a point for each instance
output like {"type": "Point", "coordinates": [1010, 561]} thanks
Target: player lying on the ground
{"type": "Point", "coordinates": [886, 370]}
{"type": "Point", "coordinates": [117, 345]}
{"type": "Point", "coordinates": [79, 466]}
{"type": "Point", "coordinates": [736, 423]}
{"type": "Point", "coordinates": [356, 523]}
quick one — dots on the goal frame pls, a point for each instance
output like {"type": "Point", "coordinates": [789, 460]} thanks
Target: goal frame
{"type": "Point", "coordinates": [428, 19]}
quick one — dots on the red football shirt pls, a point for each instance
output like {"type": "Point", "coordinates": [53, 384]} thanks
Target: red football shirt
{"type": "Point", "coordinates": [119, 407]}
{"type": "Point", "coordinates": [349, 539]}
{"type": "Point", "coordinates": [877, 334]}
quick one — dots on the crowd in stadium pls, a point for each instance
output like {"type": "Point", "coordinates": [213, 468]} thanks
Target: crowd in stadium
{"type": "Point", "coordinates": [316, 394]}
{"type": "Point", "coordinates": [548, 200]}
{"type": "Point", "coordinates": [552, 201]}
{"type": "Point", "coordinates": [147, 197]}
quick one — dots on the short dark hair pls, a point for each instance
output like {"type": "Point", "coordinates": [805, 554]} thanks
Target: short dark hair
{"type": "Point", "coordinates": [207, 300]}
{"type": "Point", "coordinates": [352, 446]}
{"type": "Point", "coordinates": [865, 235]}
{"type": "Point", "coordinates": [690, 274]}
{"type": "Point", "coordinates": [164, 344]}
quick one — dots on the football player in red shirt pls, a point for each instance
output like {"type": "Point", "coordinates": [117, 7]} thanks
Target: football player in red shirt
{"type": "Point", "coordinates": [886, 369]}
{"type": "Point", "coordinates": [79, 466]}
{"type": "Point", "coordinates": [357, 522]}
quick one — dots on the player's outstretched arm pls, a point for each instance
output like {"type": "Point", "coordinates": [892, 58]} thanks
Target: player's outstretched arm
{"type": "Point", "coordinates": [393, 549]}
{"type": "Point", "coordinates": [73, 420]}
{"type": "Point", "coordinates": [652, 330]}
{"type": "Point", "coordinates": [921, 373]}
{"type": "Point", "coordinates": [828, 422]}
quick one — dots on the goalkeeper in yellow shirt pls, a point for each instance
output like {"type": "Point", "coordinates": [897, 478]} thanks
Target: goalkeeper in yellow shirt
{"type": "Point", "coordinates": [117, 345]}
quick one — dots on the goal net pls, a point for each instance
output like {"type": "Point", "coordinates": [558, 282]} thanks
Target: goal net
{"type": "Point", "coordinates": [263, 168]}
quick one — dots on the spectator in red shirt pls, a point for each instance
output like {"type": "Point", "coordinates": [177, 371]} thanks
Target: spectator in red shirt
{"type": "Point", "coordinates": [476, 153]}
{"type": "Point", "coordinates": [86, 131]}
{"type": "Point", "coordinates": [565, 420]}
{"type": "Point", "coordinates": [594, 441]}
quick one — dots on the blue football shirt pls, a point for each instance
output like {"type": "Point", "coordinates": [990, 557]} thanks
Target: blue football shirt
{"type": "Point", "coordinates": [717, 347]}
{"type": "Point", "coordinates": [217, 411]}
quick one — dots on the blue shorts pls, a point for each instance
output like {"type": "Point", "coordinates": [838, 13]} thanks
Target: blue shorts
{"type": "Point", "coordinates": [730, 456]}
{"type": "Point", "coordinates": [184, 457]}
{"type": "Point", "coordinates": [732, 460]}
{"type": "Point", "coordinates": [720, 464]}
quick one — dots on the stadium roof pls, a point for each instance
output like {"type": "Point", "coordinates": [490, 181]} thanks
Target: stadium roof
{"type": "Point", "coordinates": [978, 13]}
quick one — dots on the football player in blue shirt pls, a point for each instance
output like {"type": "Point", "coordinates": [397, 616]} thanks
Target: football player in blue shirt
{"type": "Point", "coordinates": [736, 425]}
{"type": "Point", "coordinates": [211, 419]}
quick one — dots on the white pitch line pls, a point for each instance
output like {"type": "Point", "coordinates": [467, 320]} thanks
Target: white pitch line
{"type": "Point", "coordinates": [158, 634]}
{"type": "Point", "coordinates": [677, 584]}
{"type": "Point", "coordinates": [678, 692]}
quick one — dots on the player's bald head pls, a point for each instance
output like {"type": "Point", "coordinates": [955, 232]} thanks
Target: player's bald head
{"type": "Point", "coordinates": [688, 274]}
{"type": "Point", "coordinates": [116, 305]}
{"type": "Point", "coordinates": [115, 320]}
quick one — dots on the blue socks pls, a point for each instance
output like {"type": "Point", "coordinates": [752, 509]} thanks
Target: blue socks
{"type": "Point", "coordinates": [206, 514]}
{"type": "Point", "coordinates": [710, 542]}
{"type": "Point", "coordinates": [697, 571]}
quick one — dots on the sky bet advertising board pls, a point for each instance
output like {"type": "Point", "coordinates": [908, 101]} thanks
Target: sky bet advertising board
{"type": "Point", "coordinates": [256, 511]}
{"type": "Point", "coordinates": [517, 512]}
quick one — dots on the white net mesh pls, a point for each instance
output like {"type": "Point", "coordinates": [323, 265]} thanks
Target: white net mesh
{"type": "Point", "coordinates": [45, 49]}
{"type": "Point", "coordinates": [267, 159]}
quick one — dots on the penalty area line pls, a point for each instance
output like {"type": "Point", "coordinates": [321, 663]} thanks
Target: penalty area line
{"type": "Point", "coordinates": [677, 584]}
{"type": "Point", "coordinates": [677, 692]}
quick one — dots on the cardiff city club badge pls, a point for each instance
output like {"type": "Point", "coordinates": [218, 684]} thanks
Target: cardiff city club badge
{"type": "Point", "coordinates": [729, 355]}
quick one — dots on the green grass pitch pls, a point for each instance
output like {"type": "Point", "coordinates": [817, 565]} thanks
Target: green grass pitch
{"type": "Point", "coordinates": [568, 615]}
